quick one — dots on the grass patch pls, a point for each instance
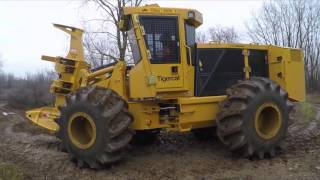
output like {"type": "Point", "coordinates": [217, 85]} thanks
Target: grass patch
{"type": "Point", "coordinates": [308, 111]}
{"type": "Point", "coordinates": [10, 172]}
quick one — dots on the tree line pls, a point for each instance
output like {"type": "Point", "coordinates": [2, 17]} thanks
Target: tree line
{"type": "Point", "coordinates": [32, 90]}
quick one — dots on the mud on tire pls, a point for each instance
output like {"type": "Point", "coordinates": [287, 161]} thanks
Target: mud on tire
{"type": "Point", "coordinates": [110, 121]}
{"type": "Point", "coordinates": [240, 126]}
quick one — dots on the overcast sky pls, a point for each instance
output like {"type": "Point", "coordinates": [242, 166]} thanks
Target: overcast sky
{"type": "Point", "coordinates": [26, 30]}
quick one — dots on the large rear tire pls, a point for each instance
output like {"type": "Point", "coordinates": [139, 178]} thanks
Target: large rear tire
{"type": "Point", "coordinates": [94, 127]}
{"type": "Point", "coordinates": [253, 120]}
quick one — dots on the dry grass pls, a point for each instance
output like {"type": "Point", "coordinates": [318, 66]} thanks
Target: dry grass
{"type": "Point", "coordinates": [10, 172]}
{"type": "Point", "coordinates": [308, 111]}
{"type": "Point", "coordinates": [313, 98]}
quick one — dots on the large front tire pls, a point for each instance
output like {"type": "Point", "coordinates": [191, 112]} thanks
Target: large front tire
{"type": "Point", "coordinates": [253, 120]}
{"type": "Point", "coordinates": [94, 127]}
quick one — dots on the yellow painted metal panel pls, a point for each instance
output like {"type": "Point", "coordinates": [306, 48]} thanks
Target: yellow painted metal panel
{"type": "Point", "coordinates": [197, 112]}
{"type": "Point", "coordinates": [138, 83]}
{"type": "Point", "coordinates": [117, 81]}
{"type": "Point", "coordinates": [200, 100]}
{"type": "Point", "coordinates": [165, 78]}
{"type": "Point", "coordinates": [145, 115]}
{"type": "Point", "coordinates": [44, 117]}
{"type": "Point", "coordinates": [295, 77]}
{"type": "Point", "coordinates": [276, 61]}
{"type": "Point", "coordinates": [286, 67]}
{"type": "Point", "coordinates": [141, 80]}
{"type": "Point", "coordinates": [156, 9]}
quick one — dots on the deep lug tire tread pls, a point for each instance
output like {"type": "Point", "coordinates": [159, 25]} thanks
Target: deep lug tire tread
{"type": "Point", "coordinates": [232, 127]}
{"type": "Point", "coordinates": [111, 112]}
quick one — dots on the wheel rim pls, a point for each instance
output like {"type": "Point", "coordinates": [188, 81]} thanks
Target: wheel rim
{"type": "Point", "coordinates": [82, 130]}
{"type": "Point", "coordinates": [268, 121]}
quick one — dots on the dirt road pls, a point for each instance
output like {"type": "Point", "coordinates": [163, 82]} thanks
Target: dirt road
{"type": "Point", "coordinates": [30, 153]}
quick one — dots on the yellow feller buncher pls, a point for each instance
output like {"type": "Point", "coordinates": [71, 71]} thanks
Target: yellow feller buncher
{"type": "Point", "coordinates": [241, 92]}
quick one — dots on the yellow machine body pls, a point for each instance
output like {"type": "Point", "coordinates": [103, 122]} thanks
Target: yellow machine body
{"type": "Point", "coordinates": [162, 95]}
{"type": "Point", "coordinates": [285, 65]}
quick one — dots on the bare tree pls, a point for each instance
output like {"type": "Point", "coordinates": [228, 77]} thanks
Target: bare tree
{"type": "Point", "coordinates": [202, 37]}
{"type": "Point", "coordinates": [99, 50]}
{"type": "Point", "coordinates": [293, 24]}
{"type": "Point", "coordinates": [223, 34]}
{"type": "Point", "coordinates": [31, 90]}
{"type": "Point", "coordinates": [218, 33]}
{"type": "Point", "coordinates": [106, 45]}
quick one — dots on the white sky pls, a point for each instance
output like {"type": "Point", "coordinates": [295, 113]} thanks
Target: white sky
{"type": "Point", "coordinates": [26, 30]}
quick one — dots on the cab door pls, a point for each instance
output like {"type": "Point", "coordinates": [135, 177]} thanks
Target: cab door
{"type": "Point", "coordinates": [161, 35]}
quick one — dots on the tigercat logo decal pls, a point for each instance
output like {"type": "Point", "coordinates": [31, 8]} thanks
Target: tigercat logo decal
{"type": "Point", "coordinates": [165, 79]}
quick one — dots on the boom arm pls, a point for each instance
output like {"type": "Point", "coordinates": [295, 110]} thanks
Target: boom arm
{"type": "Point", "coordinates": [73, 73]}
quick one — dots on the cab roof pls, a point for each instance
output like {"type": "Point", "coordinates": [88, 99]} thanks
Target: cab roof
{"type": "Point", "coordinates": [155, 9]}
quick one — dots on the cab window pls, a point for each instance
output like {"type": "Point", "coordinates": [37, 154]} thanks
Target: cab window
{"type": "Point", "coordinates": [190, 41]}
{"type": "Point", "coordinates": [161, 38]}
{"type": "Point", "coordinates": [133, 44]}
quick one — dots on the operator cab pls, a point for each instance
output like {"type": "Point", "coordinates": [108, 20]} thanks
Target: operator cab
{"type": "Point", "coordinates": [162, 42]}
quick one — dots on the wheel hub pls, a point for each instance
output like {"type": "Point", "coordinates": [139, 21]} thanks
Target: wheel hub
{"type": "Point", "coordinates": [268, 121]}
{"type": "Point", "coordinates": [82, 130]}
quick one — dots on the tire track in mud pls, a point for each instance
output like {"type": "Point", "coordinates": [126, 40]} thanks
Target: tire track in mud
{"type": "Point", "coordinates": [306, 130]}
{"type": "Point", "coordinates": [37, 155]}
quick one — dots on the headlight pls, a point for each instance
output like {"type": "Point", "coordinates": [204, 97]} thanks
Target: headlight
{"type": "Point", "coordinates": [191, 15]}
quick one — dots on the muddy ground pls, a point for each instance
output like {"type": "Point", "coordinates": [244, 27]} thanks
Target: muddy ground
{"type": "Point", "coordinates": [27, 152]}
